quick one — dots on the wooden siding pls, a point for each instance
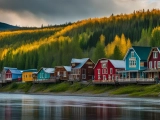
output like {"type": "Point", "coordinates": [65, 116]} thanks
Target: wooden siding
{"type": "Point", "coordinates": [109, 75]}
{"type": "Point", "coordinates": [59, 73]}
{"type": "Point", "coordinates": [135, 57]}
{"type": "Point", "coordinates": [27, 77]}
{"type": "Point", "coordinates": [86, 72]}
{"type": "Point", "coordinates": [44, 76]}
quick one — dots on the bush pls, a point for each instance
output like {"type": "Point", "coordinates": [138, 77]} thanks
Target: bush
{"type": "Point", "coordinates": [13, 86]}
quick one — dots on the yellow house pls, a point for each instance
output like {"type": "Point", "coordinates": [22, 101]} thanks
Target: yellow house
{"type": "Point", "coordinates": [28, 75]}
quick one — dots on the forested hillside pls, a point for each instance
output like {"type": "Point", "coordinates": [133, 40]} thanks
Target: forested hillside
{"type": "Point", "coordinates": [95, 38]}
{"type": "Point", "coordinates": [4, 26]}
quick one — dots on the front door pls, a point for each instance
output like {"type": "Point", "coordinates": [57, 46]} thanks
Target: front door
{"type": "Point", "coordinates": [104, 77]}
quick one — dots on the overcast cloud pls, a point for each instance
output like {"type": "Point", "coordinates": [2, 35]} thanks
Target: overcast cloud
{"type": "Point", "coordinates": [38, 12]}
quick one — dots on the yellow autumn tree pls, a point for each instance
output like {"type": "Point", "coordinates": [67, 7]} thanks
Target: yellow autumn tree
{"type": "Point", "coordinates": [121, 42]}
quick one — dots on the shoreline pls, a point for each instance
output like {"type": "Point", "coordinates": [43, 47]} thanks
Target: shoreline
{"type": "Point", "coordinates": [78, 89]}
{"type": "Point", "coordinates": [105, 94]}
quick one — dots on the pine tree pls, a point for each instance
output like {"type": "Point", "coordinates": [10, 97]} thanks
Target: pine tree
{"type": "Point", "coordinates": [117, 53]}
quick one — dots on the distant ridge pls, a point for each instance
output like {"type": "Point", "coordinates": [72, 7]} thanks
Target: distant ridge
{"type": "Point", "coordinates": [4, 26]}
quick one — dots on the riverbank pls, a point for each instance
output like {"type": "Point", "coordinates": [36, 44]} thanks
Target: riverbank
{"type": "Point", "coordinates": [78, 89]}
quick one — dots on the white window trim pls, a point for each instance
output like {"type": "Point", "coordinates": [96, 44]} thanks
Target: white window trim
{"type": "Point", "coordinates": [158, 64]}
{"type": "Point", "coordinates": [111, 71]}
{"type": "Point", "coordinates": [104, 77]}
{"type": "Point", "coordinates": [150, 64]}
{"type": "Point", "coordinates": [104, 65]}
{"type": "Point", "coordinates": [99, 71]}
{"type": "Point", "coordinates": [132, 63]}
{"type": "Point", "coordinates": [99, 77]}
{"type": "Point", "coordinates": [155, 54]}
{"type": "Point", "coordinates": [64, 74]}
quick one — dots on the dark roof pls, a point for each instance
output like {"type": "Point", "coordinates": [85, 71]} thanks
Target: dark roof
{"type": "Point", "coordinates": [80, 61]}
{"type": "Point", "coordinates": [6, 68]}
{"type": "Point", "coordinates": [142, 52]}
{"type": "Point", "coordinates": [30, 70]}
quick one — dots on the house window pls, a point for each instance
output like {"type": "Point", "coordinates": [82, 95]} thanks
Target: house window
{"type": "Point", "coordinates": [150, 64]}
{"type": "Point", "coordinates": [58, 73]}
{"type": "Point", "coordinates": [104, 65]}
{"type": "Point", "coordinates": [104, 71]}
{"type": "Point", "coordinates": [158, 64]}
{"type": "Point", "coordinates": [73, 64]}
{"type": "Point", "coordinates": [99, 77]}
{"type": "Point", "coordinates": [79, 71]}
{"type": "Point", "coordinates": [99, 71]}
{"type": "Point", "coordinates": [109, 77]}
{"type": "Point", "coordinates": [132, 54]}
{"type": "Point", "coordinates": [46, 75]}
{"type": "Point", "coordinates": [142, 64]}
{"type": "Point", "coordinates": [132, 63]}
{"type": "Point", "coordinates": [104, 77]}
{"type": "Point", "coordinates": [111, 70]}
{"type": "Point", "coordinates": [90, 67]}
{"type": "Point", "coordinates": [155, 54]}
{"type": "Point", "coordinates": [64, 73]}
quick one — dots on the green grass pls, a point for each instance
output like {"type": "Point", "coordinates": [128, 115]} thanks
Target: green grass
{"type": "Point", "coordinates": [138, 90]}
{"type": "Point", "coordinates": [61, 87]}
{"type": "Point", "coordinates": [77, 87]}
{"type": "Point", "coordinates": [96, 89]}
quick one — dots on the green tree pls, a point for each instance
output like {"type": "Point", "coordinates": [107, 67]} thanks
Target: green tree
{"type": "Point", "coordinates": [117, 55]}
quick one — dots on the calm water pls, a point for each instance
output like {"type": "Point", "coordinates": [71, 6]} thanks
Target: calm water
{"type": "Point", "coordinates": [49, 107]}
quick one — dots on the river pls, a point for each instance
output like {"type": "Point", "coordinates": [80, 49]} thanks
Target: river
{"type": "Point", "coordinates": [50, 107]}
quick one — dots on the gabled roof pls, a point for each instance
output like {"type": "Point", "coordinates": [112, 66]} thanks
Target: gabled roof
{"type": "Point", "coordinates": [158, 49]}
{"type": "Point", "coordinates": [99, 60]}
{"type": "Point", "coordinates": [6, 68]}
{"type": "Point", "coordinates": [15, 71]}
{"type": "Point", "coordinates": [80, 61]}
{"type": "Point", "coordinates": [48, 70]}
{"type": "Point", "coordinates": [142, 52]}
{"type": "Point", "coordinates": [30, 70]}
{"type": "Point", "coordinates": [118, 63]}
{"type": "Point", "coordinates": [68, 68]}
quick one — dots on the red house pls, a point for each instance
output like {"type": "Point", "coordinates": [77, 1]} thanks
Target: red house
{"type": "Point", "coordinates": [8, 75]}
{"type": "Point", "coordinates": [106, 70]}
{"type": "Point", "coordinates": [153, 64]}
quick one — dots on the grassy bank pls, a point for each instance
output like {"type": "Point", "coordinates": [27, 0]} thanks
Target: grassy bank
{"type": "Point", "coordinates": [78, 88]}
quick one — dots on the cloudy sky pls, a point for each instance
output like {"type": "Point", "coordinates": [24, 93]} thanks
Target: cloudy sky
{"type": "Point", "coordinates": [38, 12]}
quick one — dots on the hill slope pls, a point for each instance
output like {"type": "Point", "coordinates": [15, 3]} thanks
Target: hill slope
{"type": "Point", "coordinates": [4, 26]}
{"type": "Point", "coordinates": [56, 45]}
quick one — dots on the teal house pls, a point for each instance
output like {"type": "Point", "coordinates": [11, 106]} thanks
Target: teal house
{"type": "Point", "coordinates": [45, 74]}
{"type": "Point", "coordinates": [135, 62]}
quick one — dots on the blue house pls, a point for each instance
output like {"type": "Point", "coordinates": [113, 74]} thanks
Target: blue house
{"type": "Point", "coordinates": [45, 74]}
{"type": "Point", "coordinates": [13, 74]}
{"type": "Point", "coordinates": [135, 62]}
{"type": "Point", "coordinates": [8, 74]}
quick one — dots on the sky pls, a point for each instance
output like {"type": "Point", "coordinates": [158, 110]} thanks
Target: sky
{"type": "Point", "coordinates": [31, 13]}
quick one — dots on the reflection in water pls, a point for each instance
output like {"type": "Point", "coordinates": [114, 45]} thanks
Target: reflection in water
{"type": "Point", "coordinates": [43, 107]}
